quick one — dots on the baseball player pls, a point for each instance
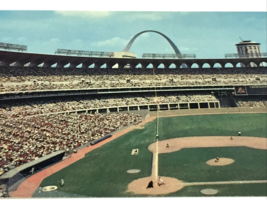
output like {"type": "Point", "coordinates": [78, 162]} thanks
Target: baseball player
{"type": "Point", "coordinates": [160, 181]}
{"type": "Point", "coordinates": [61, 182]}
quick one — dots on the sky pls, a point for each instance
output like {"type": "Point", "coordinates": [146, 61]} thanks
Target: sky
{"type": "Point", "coordinates": [206, 34]}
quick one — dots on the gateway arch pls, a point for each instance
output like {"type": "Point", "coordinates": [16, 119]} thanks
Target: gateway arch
{"type": "Point", "coordinates": [176, 50]}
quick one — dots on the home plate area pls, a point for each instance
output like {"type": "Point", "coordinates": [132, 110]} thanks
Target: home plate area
{"type": "Point", "coordinates": [150, 186]}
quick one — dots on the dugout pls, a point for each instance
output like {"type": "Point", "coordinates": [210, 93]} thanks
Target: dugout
{"type": "Point", "coordinates": [14, 176]}
{"type": "Point", "coordinates": [100, 139]}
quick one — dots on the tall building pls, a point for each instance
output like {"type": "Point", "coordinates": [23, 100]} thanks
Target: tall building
{"type": "Point", "coordinates": [248, 49]}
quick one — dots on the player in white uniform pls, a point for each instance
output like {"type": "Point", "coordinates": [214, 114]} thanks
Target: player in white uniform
{"type": "Point", "coordinates": [62, 182]}
{"type": "Point", "coordinates": [160, 182]}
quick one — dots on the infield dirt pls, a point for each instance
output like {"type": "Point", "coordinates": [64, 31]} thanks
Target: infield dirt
{"type": "Point", "coordinates": [171, 184]}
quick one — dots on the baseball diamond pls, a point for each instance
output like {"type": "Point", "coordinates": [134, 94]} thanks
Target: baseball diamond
{"type": "Point", "coordinates": [183, 166]}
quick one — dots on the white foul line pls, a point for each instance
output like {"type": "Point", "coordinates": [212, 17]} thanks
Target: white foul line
{"type": "Point", "coordinates": [156, 161]}
{"type": "Point", "coordinates": [225, 182]}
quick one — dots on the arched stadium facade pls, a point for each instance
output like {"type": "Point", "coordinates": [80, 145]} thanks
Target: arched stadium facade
{"type": "Point", "coordinates": [59, 61]}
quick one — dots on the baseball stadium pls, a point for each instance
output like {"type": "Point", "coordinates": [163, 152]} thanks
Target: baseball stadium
{"type": "Point", "coordinates": [109, 124]}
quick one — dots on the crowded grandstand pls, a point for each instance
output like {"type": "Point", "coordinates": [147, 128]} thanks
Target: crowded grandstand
{"type": "Point", "coordinates": [48, 109]}
{"type": "Point", "coordinates": [17, 79]}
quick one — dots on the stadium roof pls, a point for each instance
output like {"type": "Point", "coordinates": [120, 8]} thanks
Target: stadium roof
{"type": "Point", "coordinates": [7, 58]}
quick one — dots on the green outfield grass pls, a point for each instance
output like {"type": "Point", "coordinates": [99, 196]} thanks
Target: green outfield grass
{"type": "Point", "coordinates": [102, 173]}
{"type": "Point", "coordinates": [189, 165]}
{"type": "Point", "coordinates": [257, 189]}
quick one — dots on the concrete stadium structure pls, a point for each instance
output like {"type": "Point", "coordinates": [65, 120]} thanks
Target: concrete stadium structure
{"type": "Point", "coordinates": [44, 64]}
{"type": "Point", "coordinates": [34, 60]}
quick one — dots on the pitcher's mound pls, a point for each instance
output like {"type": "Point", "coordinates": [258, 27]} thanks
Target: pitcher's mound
{"type": "Point", "coordinates": [221, 162]}
{"type": "Point", "coordinates": [209, 191]}
{"type": "Point", "coordinates": [49, 188]}
{"type": "Point", "coordinates": [133, 171]}
{"type": "Point", "coordinates": [139, 186]}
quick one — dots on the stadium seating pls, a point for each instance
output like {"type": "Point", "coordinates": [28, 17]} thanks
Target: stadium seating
{"type": "Point", "coordinates": [70, 104]}
{"type": "Point", "coordinates": [26, 139]}
{"type": "Point", "coordinates": [251, 102]}
{"type": "Point", "coordinates": [30, 130]}
{"type": "Point", "coordinates": [35, 79]}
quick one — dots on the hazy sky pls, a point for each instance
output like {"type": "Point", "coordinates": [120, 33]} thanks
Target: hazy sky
{"type": "Point", "coordinates": [206, 34]}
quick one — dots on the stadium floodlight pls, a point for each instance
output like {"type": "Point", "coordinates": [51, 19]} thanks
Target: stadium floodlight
{"type": "Point", "coordinates": [18, 47]}
{"type": "Point", "coordinates": [167, 56]}
{"type": "Point", "coordinates": [83, 53]}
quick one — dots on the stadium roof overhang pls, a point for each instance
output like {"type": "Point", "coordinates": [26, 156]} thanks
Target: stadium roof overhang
{"type": "Point", "coordinates": [34, 59]}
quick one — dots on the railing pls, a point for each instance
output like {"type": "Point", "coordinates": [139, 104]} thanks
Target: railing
{"type": "Point", "coordinates": [248, 55]}
{"type": "Point", "coordinates": [173, 56]}
{"type": "Point", "coordinates": [83, 53]}
{"type": "Point", "coordinates": [8, 46]}
{"type": "Point", "coordinates": [136, 89]}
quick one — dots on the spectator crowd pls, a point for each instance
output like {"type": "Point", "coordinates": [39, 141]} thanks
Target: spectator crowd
{"type": "Point", "coordinates": [33, 129]}
{"type": "Point", "coordinates": [23, 140]}
{"type": "Point", "coordinates": [35, 79]}
{"type": "Point", "coordinates": [69, 104]}
{"type": "Point", "coordinates": [251, 102]}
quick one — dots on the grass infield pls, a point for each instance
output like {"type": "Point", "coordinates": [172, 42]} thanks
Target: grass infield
{"type": "Point", "coordinates": [102, 172]}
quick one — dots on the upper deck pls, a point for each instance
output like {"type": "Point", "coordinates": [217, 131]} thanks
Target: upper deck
{"type": "Point", "coordinates": [60, 61]}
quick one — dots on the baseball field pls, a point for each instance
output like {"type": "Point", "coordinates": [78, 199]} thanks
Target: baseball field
{"type": "Point", "coordinates": [187, 166]}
